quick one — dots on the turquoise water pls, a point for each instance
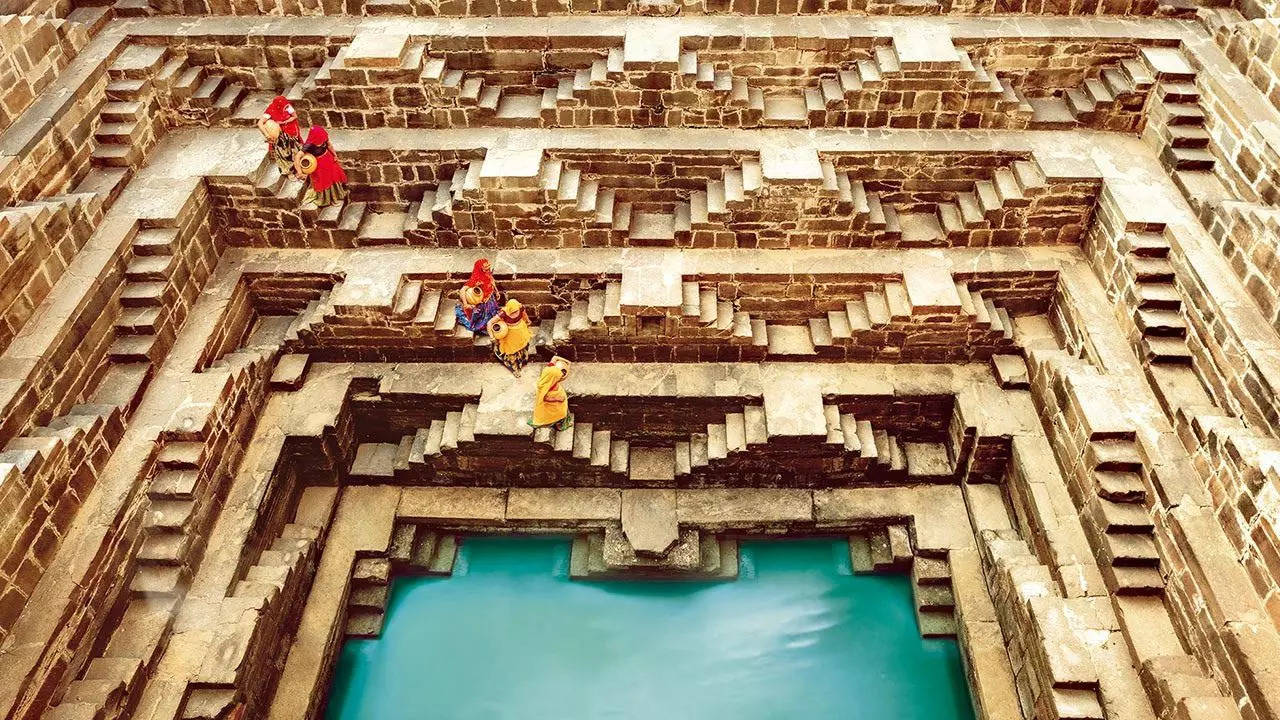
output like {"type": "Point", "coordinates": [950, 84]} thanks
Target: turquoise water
{"type": "Point", "coordinates": [510, 637]}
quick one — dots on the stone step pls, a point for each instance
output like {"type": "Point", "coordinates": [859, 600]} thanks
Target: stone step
{"type": "Point", "coordinates": [835, 430]}
{"type": "Point", "coordinates": [619, 456]}
{"type": "Point", "coordinates": [173, 484]}
{"type": "Point", "coordinates": [138, 320]}
{"type": "Point", "coordinates": [163, 548]}
{"type": "Point", "coordinates": [374, 460]}
{"type": "Point", "coordinates": [1189, 137]}
{"type": "Point", "coordinates": [1120, 517]}
{"type": "Point", "coordinates": [1145, 245]}
{"type": "Point", "coordinates": [1159, 296]}
{"type": "Point", "coordinates": [1120, 486]}
{"type": "Point", "coordinates": [168, 515]}
{"type": "Point", "coordinates": [124, 90]}
{"type": "Point", "coordinates": [209, 91]}
{"type": "Point", "coordinates": [145, 268]}
{"type": "Point", "coordinates": [1167, 323]}
{"type": "Point", "coordinates": [867, 441]}
{"type": "Point", "coordinates": [877, 308]}
{"type": "Point", "coordinates": [1139, 580]}
{"type": "Point", "coordinates": [155, 581]}
{"type": "Point", "coordinates": [116, 132]}
{"type": "Point", "coordinates": [132, 348]}
{"type": "Point", "coordinates": [1168, 350]}
{"type": "Point", "coordinates": [111, 155]}
{"type": "Point", "coordinates": [790, 340]}
{"type": "Point", "coordinates": [648, 465]}
{"type": "Point", "coordinates": [735, 432]}
{"type": "Point", "coordinates": [1152, 269]}
{"type": "Point", "coordinates": [143, 294]}
{"type": "Point", "coordinates": [1131, 550]}
{"type": "Point", "coordinates": [849, 434]}
{"type": "Point", "coordinates": [926, 459]}
{"type": "Point", "coordinates": [754, 425]}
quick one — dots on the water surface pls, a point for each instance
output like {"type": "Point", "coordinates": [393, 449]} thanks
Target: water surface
{"type": "Point", "coordinates": [510, 637]}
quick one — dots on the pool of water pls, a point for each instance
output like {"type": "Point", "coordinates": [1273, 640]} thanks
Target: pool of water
{"type": "Point", "coordinates": [510, 637]}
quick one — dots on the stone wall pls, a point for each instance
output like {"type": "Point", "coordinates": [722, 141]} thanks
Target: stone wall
{"type": "Point", "coordinates": [73, 362]}
{"type": "Point", "coordinates": [687, 199]}
{"type": "Point", "coordinates": [469, 8]}
{"type": "Point", "coordinates": [394, 81]}
{"type": "Point", "coordinates": [37, 241]}
{"type": "Point", "coordinates": [55, 153]}
{"type": "Point", "coordinates": [32, 52]}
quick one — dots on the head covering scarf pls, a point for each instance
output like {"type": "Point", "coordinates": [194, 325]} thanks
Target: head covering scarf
{"type": "Point", "coordinates": [281, 111]}
{"type": "Point", "coordinates": [551, 404]}
{"type": "Point", "coordinates": [317, 136]}
{"type": "Point", "coordinates": [482, 277]}
{"type": "Point", "coordinates": [512, 312]}
{"type": "Point", "coordinates": [510, 329]}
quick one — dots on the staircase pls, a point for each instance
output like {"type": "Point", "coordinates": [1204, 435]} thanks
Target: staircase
{"type": "Point", "coordinates": [841, 90]}
{"type": "Point", "coordinates": [123, 136]}
{"type": "Point", "coordinates": [173, 494]}
{"type": "Point", "coordinates": [276, 566]}
{"type": "Point", "coordinates": [608, 555]}
{"type": "Point", "coordinates": [279, 190]}
{"type": "Point", "coordinates": [601, 308]}
{"type": "Point", "coordinates": [146, 298]}
{"type": "Point", "coordinates": [1118, 513]}
{"type": "Point", "coordinates": [435, 210]}
{"type": "Point", "coordinates": [40, 233]}
{"type": "Point", "coordinates": [935, 600]}
{"type": "Point", "coordinates": [146, 75]}
{"type": "Point", "coordinates": [1159, 305]}
{"type": "Point", "coordinates": [737, 433]}
{"type": "Point", "coordinates": [1176, 110]}
{"type": "Point", "coordinates": [1121, 85]}
{"type": "Point", "coordinates": [375, 462]}
{"type": "Point", "coordinates": [720, 315]}
{"type": "Point", "coordinates": [415, 549]}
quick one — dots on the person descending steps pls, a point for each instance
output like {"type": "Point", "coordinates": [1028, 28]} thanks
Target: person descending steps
{"type": "Point", "coordinates": [550, 401]}
{"type": "Point", "coordinates": [316, 161]}
{"type": "Point", "coordinates": [279, 125]}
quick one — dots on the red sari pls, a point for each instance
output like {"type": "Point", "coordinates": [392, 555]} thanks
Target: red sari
{"type": "Point", "coordinates": [476, 316]}
{"type": "Point", "coordinates": [327, 184]}
{"type": "Point", "coordinates": [281, 150]}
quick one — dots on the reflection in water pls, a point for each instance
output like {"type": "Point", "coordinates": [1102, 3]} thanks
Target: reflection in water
{"type": "Point", "coordinates": [510, 637]}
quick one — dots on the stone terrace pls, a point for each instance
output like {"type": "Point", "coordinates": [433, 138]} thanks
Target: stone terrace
{"type": "Point", "coordinates": [994, 296]}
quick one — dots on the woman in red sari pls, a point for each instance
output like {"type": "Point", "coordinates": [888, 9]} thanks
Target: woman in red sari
{"type": "Point", "coordinates": [279, 125]}
{"type": "Point", "coordinates": [478, 300]}
{"type": "Point", "coordinates": [326, 182]}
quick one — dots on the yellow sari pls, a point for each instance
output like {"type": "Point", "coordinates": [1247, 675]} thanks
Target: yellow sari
{"type": "Point", "coordinates": [551, 403]}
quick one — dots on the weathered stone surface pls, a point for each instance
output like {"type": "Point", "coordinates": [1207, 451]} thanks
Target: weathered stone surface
{"type": "Point", "coordinates": [575, 504]}
{"type": "Point", "coordinates": [743, 508]}
{"type": "Point", "coordinates": [649, 520]}
{"type": "Point", "coordinates": [1035, 369]}
{"type": "Point", "coordinates": [452, 503]}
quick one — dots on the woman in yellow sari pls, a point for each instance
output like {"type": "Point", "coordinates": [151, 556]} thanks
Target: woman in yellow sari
{"type": "Point", "coordinates": [509, 330]}
{"type": "Point", "coordinates": [550, 401]}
